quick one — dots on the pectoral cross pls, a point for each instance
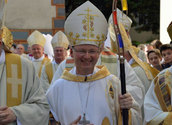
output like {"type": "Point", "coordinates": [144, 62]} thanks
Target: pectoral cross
{"type": "Point", "coordinates": [84, 121]}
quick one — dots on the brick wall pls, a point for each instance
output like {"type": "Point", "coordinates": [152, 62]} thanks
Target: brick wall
{"type": "Point", "coordinates": [58, 21]}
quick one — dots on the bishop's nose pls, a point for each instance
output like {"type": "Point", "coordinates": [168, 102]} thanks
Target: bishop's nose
{"type": "Point", "coordinates": [87, 55]}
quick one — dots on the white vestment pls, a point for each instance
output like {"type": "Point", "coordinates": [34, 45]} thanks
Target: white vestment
{"type": "Point", "coordinates": [60, 70]}
{"type": "Point", "coordinates": [133, 83]}
{"type": "Point", "coordinates": [152, 108]}
{"type": "Point", "coordinates": [37, 63]}
{"type": "Point", "coordinates": [44, 77]}
{"type": "Point", "coordinates": [34, 109]}
{"type": "Point", "coordinates": [142, 75]}
{"type": "Point", "coordinates": [141, 55]}
{"type": "Point", "coordinates": [68, 99]}
{"type": "Point", "coordinates": [25, 56]}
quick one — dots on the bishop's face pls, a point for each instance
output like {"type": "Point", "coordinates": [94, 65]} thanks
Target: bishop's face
{"type": "Point", "coordinates": [20, 49]}
{"type": "Point", "coordinates": [60, 54]}
{"type": "Point", "coordinates": [37, 51]}
{"type": "Point", "coordinates": [85, 57]}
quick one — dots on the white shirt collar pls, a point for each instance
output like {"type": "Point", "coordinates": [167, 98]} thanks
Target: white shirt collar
{"type": "Point", "coordinates": [37, 60]}
{"type": "Point", "coordinates": [54, 62]}
{"type": "Point", "coordinates": [2, 57]}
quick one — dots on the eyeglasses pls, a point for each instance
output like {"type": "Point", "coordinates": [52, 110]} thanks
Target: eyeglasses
{"type": "Point", "coordinates": [60, 51]}
{"type": "Point", "coordinates": [34, 49]}
{"type": "Point", "coordinates": [83, 52]}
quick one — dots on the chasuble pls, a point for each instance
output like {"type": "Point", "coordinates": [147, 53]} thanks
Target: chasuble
{"type": "Point", "coordinates": [157, 104]}
{"type": "Point", "coordinates": [95, 95]}
{"type": "Point", "coordinates": [47, 74]}
{"type": "Point", "coordinates": [21, 91]}
{"type": "Point", "coordinates": [39, 63]}
{"type": "Point", "coordinates": [142, 75]}
{"type": "Point", "coordinates": [110, 60]}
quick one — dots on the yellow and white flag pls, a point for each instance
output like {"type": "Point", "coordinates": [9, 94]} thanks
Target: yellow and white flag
{"type": "Point", "coordinates": [124, 5]}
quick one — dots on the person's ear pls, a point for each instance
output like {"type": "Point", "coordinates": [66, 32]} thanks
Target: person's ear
{"type": "Point", "coordinates": [101, 47]}
{"type": "Point", "coordinates": [1, 43]}
{"type": "Point", "coordinates": [65, 52]}
{"type": "Point", "coordinates": [160, 58]}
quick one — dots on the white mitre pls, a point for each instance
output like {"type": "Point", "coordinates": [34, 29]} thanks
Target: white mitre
{"type": "Point", "coordinates": [107, 41]}
{"type": "Point", "coordinates": [86, 25]}
{"type": "Point", "coordinates": [36, 38]}
{"type": "Point", "coordinates": [60, 40]}
{"type": "Point", "coordinates": [48, 49]}
{"type": "Point", "coordinates": [123, 18]}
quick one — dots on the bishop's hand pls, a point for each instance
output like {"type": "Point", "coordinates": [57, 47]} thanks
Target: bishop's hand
{"type": "Point", "coordinates": [125, 101]}
{"type": "Point", "coordinates": [6, 115]}
{"type": "Point", "coordinates": [77, 121]}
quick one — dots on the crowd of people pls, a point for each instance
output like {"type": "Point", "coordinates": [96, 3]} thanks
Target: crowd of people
{"type": "Point", "coordinates": [78, 82]}
{"type": "Point", "coordinates": [158, 54]}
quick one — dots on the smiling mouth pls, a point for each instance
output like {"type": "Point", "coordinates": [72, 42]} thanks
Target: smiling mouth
{"type": "Point", "coordinates": [88, 62]}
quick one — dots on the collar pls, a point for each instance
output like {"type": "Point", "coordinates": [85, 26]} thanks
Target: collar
{"type": "Point", "coordinates": [73, 71]}
{"type": "Point", "coordinates": [54, 62]}
{"type": "Point", "coordinates": [37, 60]}
{"type": "Point", "coordinates": [98, 73]}
{"type": "Point", "coordinates": [2, 57]}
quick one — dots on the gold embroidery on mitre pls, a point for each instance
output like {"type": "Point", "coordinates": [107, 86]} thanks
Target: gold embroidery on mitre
{"type": "Point", "coordinates": [105, 121]}
{"type": "Point", "coordinates": [36, 38]}
{"type": "Point", "coordinates": [88, 24]}
{"type": "Point", "coordinates": [7, 38]}
{"type": "Point", "coordinates": [88, 27]}
{"type": "Point", "coordinates": [60, 40]}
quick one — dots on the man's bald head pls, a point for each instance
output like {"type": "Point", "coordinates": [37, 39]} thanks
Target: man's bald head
{"type": "Point", "coordinates": [20, 49]}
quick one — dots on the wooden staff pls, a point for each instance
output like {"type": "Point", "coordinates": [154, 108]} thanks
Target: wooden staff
{"type": "Point", "coordinates": [121, 57]}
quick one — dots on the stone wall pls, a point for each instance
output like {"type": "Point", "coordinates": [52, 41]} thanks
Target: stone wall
{"type": "Point", "coordinates": [25, 16]}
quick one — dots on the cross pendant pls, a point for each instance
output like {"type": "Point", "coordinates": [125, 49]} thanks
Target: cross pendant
{"type": "Point", "coordinates": [84, 121]}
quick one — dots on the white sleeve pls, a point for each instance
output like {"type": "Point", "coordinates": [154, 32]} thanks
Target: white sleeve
{"type": "Point", "coordinates": [152, 109]}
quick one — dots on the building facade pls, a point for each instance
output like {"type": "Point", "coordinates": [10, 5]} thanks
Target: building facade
{"type": "Point", "coordinates": [22, 17]}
